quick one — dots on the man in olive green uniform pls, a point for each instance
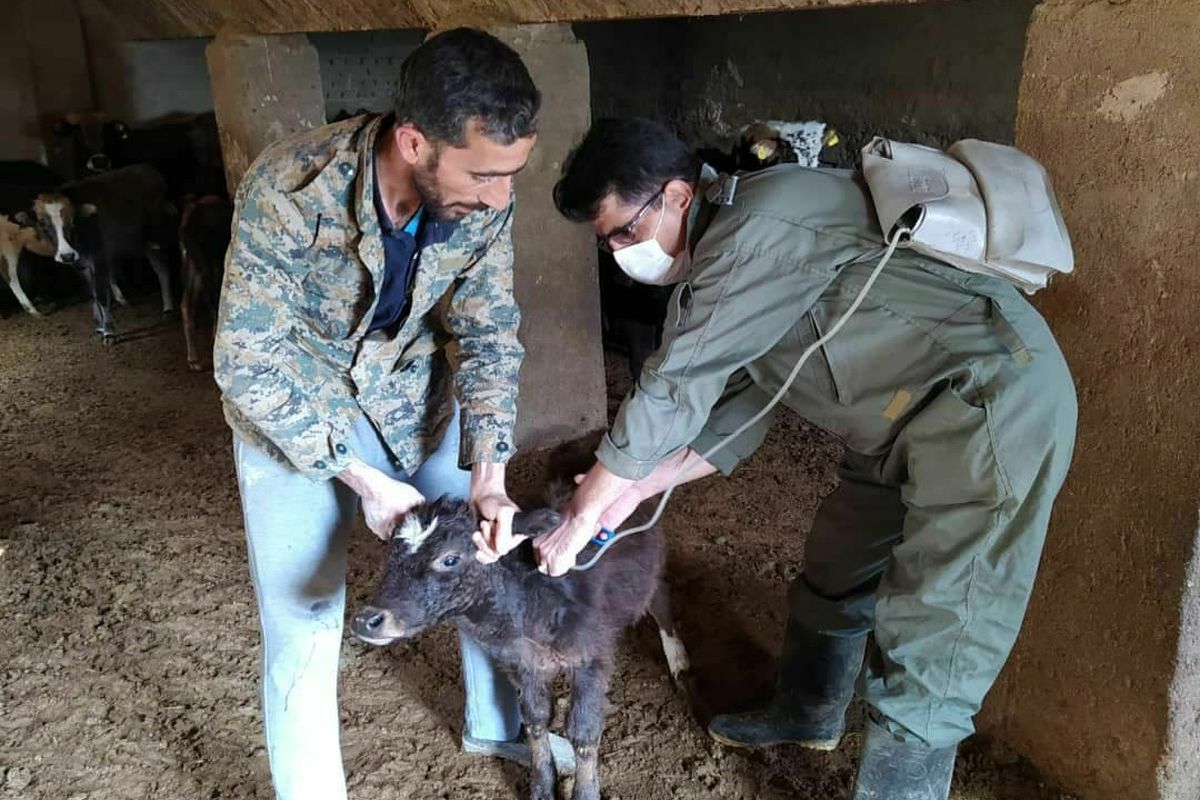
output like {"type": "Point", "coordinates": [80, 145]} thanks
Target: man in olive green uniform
{"type": "Point", "coordinates": [951, 397]}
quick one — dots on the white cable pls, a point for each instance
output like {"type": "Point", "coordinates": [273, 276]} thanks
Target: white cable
{"type": "Point", "coordinates": [899, 234]}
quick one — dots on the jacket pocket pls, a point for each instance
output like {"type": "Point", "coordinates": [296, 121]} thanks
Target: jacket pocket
{"type": "Point", "coordinates": [822, 369]}
{"type": "Point", "coordinates": [876, 353]}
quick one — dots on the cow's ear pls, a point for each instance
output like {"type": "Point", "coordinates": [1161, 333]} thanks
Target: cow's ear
{"type": "Point", "coordinates": [535, 523]}
{"type": "Point", "coordinates": [23, 218]}
{"type": "Point", "coordinates": [87, 210]}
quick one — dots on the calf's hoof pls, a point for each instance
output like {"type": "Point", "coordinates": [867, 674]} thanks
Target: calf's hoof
{"type": "Point", "coordinates": [687, 688]}
{"type": "Point", "coordinates": [587, 781]}
{"type": "Point", "coordinates": [518, 751]}
{"type": "Point", "coordinates": [539, 791]}
{"type": "Point", "coordinates": [586, 791]}
{"type": "Point", "coordinates": [170, 314]}
{"type": "Point", "coordinates": [199, 366]}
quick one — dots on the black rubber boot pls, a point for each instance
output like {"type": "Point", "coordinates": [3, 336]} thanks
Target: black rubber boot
{"type": "Point", "coordinates": [892, 769]}
{"type": "Point", "coordinates": [815, 685]}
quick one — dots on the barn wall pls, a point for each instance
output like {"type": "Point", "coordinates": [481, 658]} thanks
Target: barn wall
{"type": "Point", "coordinates": [139, 81]}
{"type": "Point", "coordinates": [43, 73]}
{"type": "Point", "coordinates": [1104, 688]}
{"type": "Point", "coordinates": [926, 73]}
{"type": "Point", "coordinates": [359, 70]}
{"type": "Point", "coordinates": [159, 78]}
{"type": "Point", "coordinates": [19, 138]}
{"type": "Point", "coordinates": [142, 81]}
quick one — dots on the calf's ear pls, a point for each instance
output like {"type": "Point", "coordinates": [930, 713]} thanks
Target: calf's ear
{"type": "Point", "coordinates": [23, 218]}
{"type": "Point", "coordinates": [535, 523]}
{"type": "Point", "coordinates": [87, 210]}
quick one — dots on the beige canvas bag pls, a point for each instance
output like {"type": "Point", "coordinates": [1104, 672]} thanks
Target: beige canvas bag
{"type": "Point", "coordinates": [982, 207]}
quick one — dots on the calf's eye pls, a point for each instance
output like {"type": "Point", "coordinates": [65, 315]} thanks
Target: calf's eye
{"type": "Point", "coordinates": [450, 561]}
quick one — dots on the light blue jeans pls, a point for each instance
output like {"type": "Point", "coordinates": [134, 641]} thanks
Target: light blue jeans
{"type": "Point", "coordinates": [296, 533]}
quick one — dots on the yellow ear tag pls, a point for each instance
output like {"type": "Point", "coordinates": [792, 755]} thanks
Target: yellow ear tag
{"type": "Point", "coordinates": [761, 150]}
{"type": "Point", "coordinates": [832, 139]}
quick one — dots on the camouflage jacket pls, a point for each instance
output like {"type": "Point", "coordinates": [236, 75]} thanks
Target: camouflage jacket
{"type": "Point", "coordinates": [293, 357]}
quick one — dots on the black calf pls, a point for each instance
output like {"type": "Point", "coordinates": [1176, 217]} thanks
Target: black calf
{"type": "Point", "coordinates": [533, 626]}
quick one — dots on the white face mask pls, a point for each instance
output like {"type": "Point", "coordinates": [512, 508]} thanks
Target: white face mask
{"type": "Point", "coordinates": [647, 262]}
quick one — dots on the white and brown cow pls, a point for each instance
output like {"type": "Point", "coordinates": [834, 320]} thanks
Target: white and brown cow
{"type": "Point", "coordinates": [16, 240]}
{"type": "Point", "coordinates": [103, 221]}
{"type": "Point", "coordinates": [20, 182]}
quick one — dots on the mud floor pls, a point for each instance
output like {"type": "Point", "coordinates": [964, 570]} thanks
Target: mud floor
{"type": "Point", "coordinates": [129, 640]}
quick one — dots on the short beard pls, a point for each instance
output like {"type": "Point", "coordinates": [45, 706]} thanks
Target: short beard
{"type": "Point", "coordinates": [425, 180]}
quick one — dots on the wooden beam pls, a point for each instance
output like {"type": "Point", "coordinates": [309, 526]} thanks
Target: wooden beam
{"type": "Point", "coordinates": [167, 19]}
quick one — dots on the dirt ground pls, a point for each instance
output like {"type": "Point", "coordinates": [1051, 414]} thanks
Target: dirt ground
{"type": "Point", "coordinates": [129, 639]}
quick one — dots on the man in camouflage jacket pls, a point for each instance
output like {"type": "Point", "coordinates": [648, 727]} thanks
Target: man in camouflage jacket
{"type": "Point", "coordinates": [361, 252]}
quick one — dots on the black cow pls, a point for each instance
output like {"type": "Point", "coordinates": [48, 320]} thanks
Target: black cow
{"type": "Point", "coordinates": [21, 181]}
{"type": "Point", "coordinates": [101, 222]}
{"type": "Point", "coordinates": [77, 146]}
{"type": "Point", "coordinates": [534, 627]}
{"type": "Point", "coordinates": [204, 232]}
{"type": "Point", "coordinates": [184, 148]}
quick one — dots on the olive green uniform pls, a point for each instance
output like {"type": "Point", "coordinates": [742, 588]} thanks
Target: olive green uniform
{"type": "Point", "coordinates": [954, 403]}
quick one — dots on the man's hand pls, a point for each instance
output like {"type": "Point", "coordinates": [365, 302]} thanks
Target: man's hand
{"type": "Point", "coordinates": [495, 510]}
{"type": "Point", "coordinates": [605, 500]}
{"type": "Point", "coordinates": [620, 509]}
{"type": "Point", "coordinates": [556, 551]}
{"type": "Point", "coordinates": [384, 500]}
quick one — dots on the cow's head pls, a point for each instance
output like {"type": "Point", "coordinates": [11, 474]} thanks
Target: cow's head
{"type": "Point", "coordinates": [431, 573]}
{"type": "Point", "coordinates": [56, 221]}
{"type": "Point", "coordinates": [760, 146]}
{"type": "Point", "coordinates": [81, 143]}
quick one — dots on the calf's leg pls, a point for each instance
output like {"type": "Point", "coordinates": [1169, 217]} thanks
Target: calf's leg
{"type": "Point", "coordinates": [158, 262]}
{"type": "Point", "coordinates": [187, 309]}
{"type": "Point", "coordinates": [535, 712]}
{"type": "Point", "coordinates": [677, 656]}
{"type": "Point", "coordinates": [14, 283]}
{"type": "Point", "coordinates": [673, 649]}
{"type": "Point", "coordinates": [117, 294]}
{"type": "Point", "coordinates": [96, 270]}
{"type": "Point", "coordinates": [585, 724]}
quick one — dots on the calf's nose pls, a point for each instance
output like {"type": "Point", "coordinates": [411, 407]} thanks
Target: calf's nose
{"type": "Point", "coordinates": [371, 619]}
{"type": "Point", "coordinates": [69, 258]}
{"type": "Point", "coordinates": [376, 625]}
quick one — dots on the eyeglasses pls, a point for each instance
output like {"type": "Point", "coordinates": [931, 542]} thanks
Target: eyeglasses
{"type": "Point", "coordinates": [624, 235]}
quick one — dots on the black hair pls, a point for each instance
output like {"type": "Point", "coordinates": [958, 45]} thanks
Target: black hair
{"type": "Point", "coordinates": [466, 75]}
{"type": "Point", "coordinates": [632, 158]}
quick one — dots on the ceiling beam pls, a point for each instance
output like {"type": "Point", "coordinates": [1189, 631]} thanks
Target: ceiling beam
{"type": "Point", "coordinates": [170, 19]}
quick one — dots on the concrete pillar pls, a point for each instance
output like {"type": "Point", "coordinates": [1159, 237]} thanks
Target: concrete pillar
{"type": "Point", "coordinates": [1103, 691]}
{"type": "Point", "coordinates": [562, 391]}
{"type": "Point", "coordinates": [264, 88]}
